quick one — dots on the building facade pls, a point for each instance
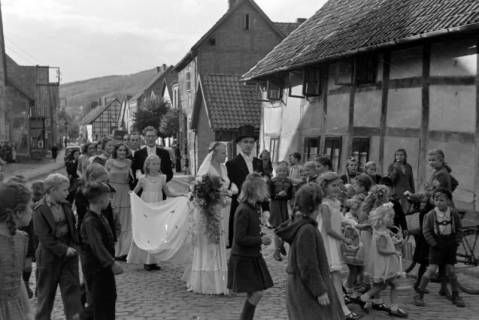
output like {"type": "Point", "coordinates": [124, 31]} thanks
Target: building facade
{"type": "Point", "coordinates": [101, 121]}
{"type": "Point", "coordinates": [415, 91]}
{"type": "Point", "coordinates": [240, 38]}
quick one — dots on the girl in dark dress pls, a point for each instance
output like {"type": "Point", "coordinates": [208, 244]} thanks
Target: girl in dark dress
{"type": "Point", "coordinates": [310, 291]}
{"type": "Point", "coordinates": [281, 191]}
{"type": "Point", "coordinates": [247, 270]}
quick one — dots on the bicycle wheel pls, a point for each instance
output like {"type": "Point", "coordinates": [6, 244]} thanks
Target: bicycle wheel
{"type": "Point", "coordinates": [468, 260]}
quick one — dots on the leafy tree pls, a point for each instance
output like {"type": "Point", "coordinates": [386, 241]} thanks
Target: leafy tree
{"type": "Point", "coordinates": [169, 124]}
{"type": "Point", "coordinates": [150, 113]}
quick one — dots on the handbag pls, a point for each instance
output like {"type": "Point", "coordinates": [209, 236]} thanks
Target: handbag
{"type": "Point", "coordinates": [413, 221]}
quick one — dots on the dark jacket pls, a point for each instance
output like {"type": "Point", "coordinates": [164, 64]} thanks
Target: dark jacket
{"type": "Point", "coordinates": [402, 181]}
{"type": "Point", "coordinates": [142, 154]}
{"type": "Point", "coordinates": [98, 246]}
{"type": "Point", "coordinates": [308, 272]}
{"type": "Point", "coordinates": [276, 185]}
{"type": "Point", "coordinates": [45, 229]}
{"type": "Point", "coordinates": [429, 226]}
{"type": "Point", "coordinates": [247, 231]}
{"type": "Point", "coordinates": [82, 204]}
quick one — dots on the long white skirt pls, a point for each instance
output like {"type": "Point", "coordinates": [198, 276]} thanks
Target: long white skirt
{"type": "Point", "coordinates": [160, 231]}
{"type": "Point", "coordinates": [209, 270]}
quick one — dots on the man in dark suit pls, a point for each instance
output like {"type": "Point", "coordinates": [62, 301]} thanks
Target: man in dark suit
{"type": "Point", "coordinates": [151, 148]}
{"type": "Point", "coordinates": [139, 160]}
{"type": "Point", "coordinates": [240, 166]}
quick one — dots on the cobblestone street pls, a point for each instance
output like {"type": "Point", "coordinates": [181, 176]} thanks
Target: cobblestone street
{"type": "Point", "coordinates": [162, 295]}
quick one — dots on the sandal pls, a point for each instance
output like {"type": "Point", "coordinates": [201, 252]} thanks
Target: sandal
{"type": "Point", "coordinates": [352, 316]}
{"type": "Point", "coordinates": [398, 313]}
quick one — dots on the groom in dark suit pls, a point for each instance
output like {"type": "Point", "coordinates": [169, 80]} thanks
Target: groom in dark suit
{"type": "Point", "coordinates": [240, 166]}
{"type": "Point", "coordinates": [151, 148]}
{"type": "Point", "coordinates": [139, 160]}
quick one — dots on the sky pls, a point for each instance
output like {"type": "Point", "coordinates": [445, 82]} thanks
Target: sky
{"type": "Point", "coordinates": [92, 38]}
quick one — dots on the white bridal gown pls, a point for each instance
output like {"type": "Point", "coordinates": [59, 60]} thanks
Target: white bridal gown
{"type": "Point", "coordinates": [174, 230]}
{"type": "Point", "coordinates": [208, 272]}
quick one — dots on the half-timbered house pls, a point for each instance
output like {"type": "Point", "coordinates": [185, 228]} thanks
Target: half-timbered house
{"type": "Point", "coordinates": [364, 77]}
{"type": "Point", "coordinates": [101, 121]}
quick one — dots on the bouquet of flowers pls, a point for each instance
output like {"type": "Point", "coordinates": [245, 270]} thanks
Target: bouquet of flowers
{"type": "Point", "coordinates": [206, 195]}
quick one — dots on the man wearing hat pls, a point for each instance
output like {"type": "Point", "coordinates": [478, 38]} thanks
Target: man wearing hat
{"type": "Point", "coordinates": [240, 166]}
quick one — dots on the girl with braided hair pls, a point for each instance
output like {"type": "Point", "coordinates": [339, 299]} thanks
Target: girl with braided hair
{"type": "Point", "coordinates": [15, 211]}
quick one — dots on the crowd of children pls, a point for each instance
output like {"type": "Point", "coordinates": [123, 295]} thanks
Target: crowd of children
{"type": "Point", "coordinates": [345, 241]}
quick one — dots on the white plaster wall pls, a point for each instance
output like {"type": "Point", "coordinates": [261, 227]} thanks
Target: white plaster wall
{"type": "Point", "coordinates": [454, 58]}
{"type": "Point", "coordinates": [406, 63]}
{"type": "Point", "coordinates": [290, 140]}
{"type": "Point", "coordinates": [338, 113]}
{"type": "Point", "coordinates": [367, 109]}
{"type": "Point", "coordinates": [452, 108]}
{"type": "Point", "coordinates": [404, 108]}
{"type": "Point", "coordinates": [374, 150]}
{"type": "Point", "coordinates": [272, 119]}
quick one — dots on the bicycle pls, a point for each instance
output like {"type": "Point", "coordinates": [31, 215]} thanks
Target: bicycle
{"type": "Point", "coordinates": [467, 258]}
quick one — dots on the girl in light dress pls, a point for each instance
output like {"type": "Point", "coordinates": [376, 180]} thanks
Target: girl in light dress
{"type": "Point", "coordinates": [152, 185]}
{"type": "Point", "coordinates": [329, 224]}
{"type": "Point", "coordinates": [15, 211]}
{"type": "Point", "coordinates": [385, 263]}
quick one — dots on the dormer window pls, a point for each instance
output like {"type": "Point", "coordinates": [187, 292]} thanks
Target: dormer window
{"type": "Point", "coordinates": [274, 90]}
{"type": "Point", "coordinates": [246, 25]}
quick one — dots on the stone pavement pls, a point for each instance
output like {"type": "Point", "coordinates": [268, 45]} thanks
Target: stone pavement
{"type": "Point", "coordinates": [162, 295]}
{"type": "Point", "coordinates": [34, 169]}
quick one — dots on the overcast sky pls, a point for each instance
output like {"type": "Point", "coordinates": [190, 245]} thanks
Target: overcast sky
{"type": "Point", "coordinates": [91, 38]}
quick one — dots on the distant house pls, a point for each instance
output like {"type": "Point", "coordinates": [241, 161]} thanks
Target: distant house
{"type": "Point", "coordinates": [29, 101]}
{"type": "Point", "coordinates": [362, 78]}
{"type": "Point", "coordinates": [222, 105]}
{"type": "Point", "coordinates": [240, 38]}
{"type": "Point", "coordinates": [163, 86]}
{"type": "Point", "coordinates": [101, 121]}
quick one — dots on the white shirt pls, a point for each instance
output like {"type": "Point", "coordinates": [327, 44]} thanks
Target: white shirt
{"type": "Point", "coordinates": [249, 161]}
{"type": "Point", "coordinates": [151, 150]}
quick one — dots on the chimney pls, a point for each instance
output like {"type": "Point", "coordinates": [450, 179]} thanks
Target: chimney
{"type": "Point", "coordinates": [300, 20]}
{"type": "Point", "coordinates": [158, 69]}
{"type": "Point", "coordinates": [164, 67]}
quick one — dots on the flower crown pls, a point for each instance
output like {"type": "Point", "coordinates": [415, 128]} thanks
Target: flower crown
{"type": "Point", "coordinates": [381, 211]}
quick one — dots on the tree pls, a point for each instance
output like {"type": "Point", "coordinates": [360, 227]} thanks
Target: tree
{"type": "Point", "coordinates": [169, 124]}
{"type": "Point", "coordinates": [150, 113]}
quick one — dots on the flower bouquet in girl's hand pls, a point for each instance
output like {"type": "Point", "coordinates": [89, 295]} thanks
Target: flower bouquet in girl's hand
{"type": "Point", "coordinates": [206, 194]}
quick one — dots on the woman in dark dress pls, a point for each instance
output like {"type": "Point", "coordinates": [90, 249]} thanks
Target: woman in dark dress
{"type": "Point", "coordinates": [310, 290]}
{"type": "Point", "coordinates": [247, 270]}
{"type": "Point", "coordinates": [265, 157]}
{"type": "Point", "coordinates": [400, 172]}
{"type": "Point", "coordinates": [71, 165]}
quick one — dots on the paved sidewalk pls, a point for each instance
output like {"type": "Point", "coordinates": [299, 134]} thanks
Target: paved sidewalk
{"type": "Point", "coordinates": [34, 169]}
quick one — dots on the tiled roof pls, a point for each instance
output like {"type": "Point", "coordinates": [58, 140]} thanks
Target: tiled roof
{"type": "Point", "coordinates": [287, 27]}
{"type": "Point", "coordinates": [230, 104]}
{"type": "Point", "coordinates": [95, 113]}
{"type": "Point", "coordinates": [193, 51]}
{"type": "Point", "coordinates": [343, 27]}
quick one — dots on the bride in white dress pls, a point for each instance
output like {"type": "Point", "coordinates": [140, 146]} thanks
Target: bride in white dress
{"type": "Point", "coordinates": [208, 273]}
{"type": "Point", "coordinates": [175, 231]}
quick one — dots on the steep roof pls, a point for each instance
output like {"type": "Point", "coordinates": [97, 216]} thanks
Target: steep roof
{"type": "Point", "coordinates": [168, 76]}
{"type": "Point", "coordinates": [343, 27]}
{"type": "Point", "coordinates": [229, 103]}
{"type": "Point", "coordinates": [96, 112]}
{"type": "Point", "coordinates": [22, 78]}
{"type": "Point", "coordinates": [193, 51]}
{"type": "Point", "coordinates": [287, 27]}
